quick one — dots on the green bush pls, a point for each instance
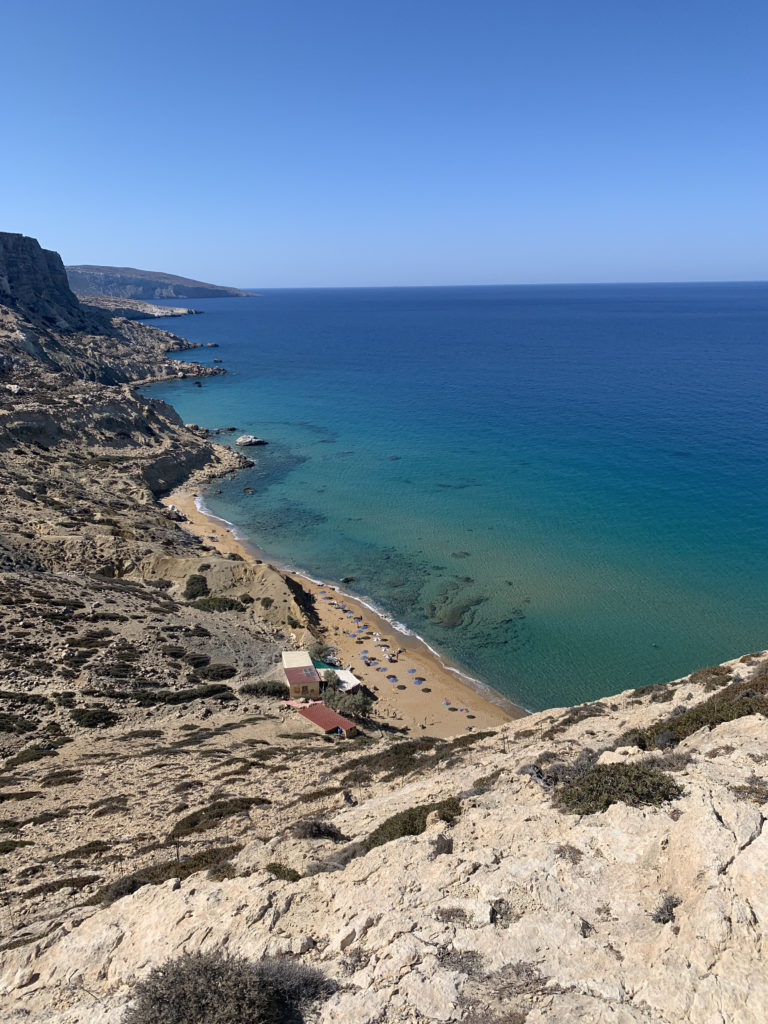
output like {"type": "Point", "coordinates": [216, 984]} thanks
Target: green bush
{"type": "Point", "coordinates": [606, 784]}
{"type": "Point", "coordinates": [155, 874]}
{"type": "Point", "coordinates": [315, 829]}
{"type": "Point", "coordinates": [268, 688]}
{"type": "Point", "coordinates": [218, 604]}
{"type": "Point", "coordinates": [411, 822]}
{"type": "Point", "coordinates": [211, 815]}
{"type": "Point", "coordinates": [726, 705]}
{"type": "Point", "coordinates": [665, 912]}
{"type": "Point", "coordinates": [197, 586]}
{"type": "Point", "coordinates": [90, 718]}
{"type": "Point", "coordinates": [356, 705]}
{"type": "Point", "coordinates": [216, 671]}
{"type": "Point", "coordinates": [148, 698]}
{"type": "Point", "coordinates": [320, 651]}
{"type": "Point", "coordinates": [283, 872]}
{"type": "Point", "coordinates": [267, 602]}
{"type": "Point", "coordinates": [245, 598]}
{"type": "Point", "coordinates": [711, 677]}
{"type": "Point", "coordinates": [30, 754]}
{"type": "Point", "coordinates": [8, 845]}
{"type": "Point", "coordinates": [209, 988]}
{"type": "Point", "coordinates": [16, 723]}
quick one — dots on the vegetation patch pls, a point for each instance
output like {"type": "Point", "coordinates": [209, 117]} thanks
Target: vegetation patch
{"type": "Point", "coordinates": [665, 912]}
{"type": "Point", "coordinates": [155, 874]}
{"type": "Point", "coordinates": [485, 782]}
{"type": "Point", "coordinates": [86, 850]}
{"type": "Point", "coordinates": [16, 723]}
{"type": "Point", "coordinates": [218, 604]}
{"type": "Point", "coordinates": [726, 705]}
{"type": "Point", "coordinates": [216, 989]}
{"type": "Point", "coordinates": [8, 845]}
{"type": "Point", "coordinates": [411, 822]}
{"type": "Point", "coordinates": [21, 794]}
{"type": "Point", "coordinates": [25, 698]}
{"type": "Point", "coordinates": [92, 718]}
{"type": "Point", "coordinates": [606, 784]}
{"type": "Point", "coordinates": [216, 671]}
{"type": "Point", "coordinates": [268, 688]}
{"type": "Point", "coordinates": [76, 882]}
{"type": "Point", "coordinates": [283, 872]}
{"type": "Point", "coordinates": [318, 794]}
{"type": "Point", "coordinates": [712, 677]}
{"type": "Point", "coordinates": [755, 789]}
{"type": "Point", "coordinates": [315, 829]}
{"type": "Point", "coordinates": [108, 805]}
{"type": "Point", "coordinates": [210, 816]}
{"type": "Point", "coordinates": [64, 777]}
{"type": "Point", "coordinates": [150, 697]}
{"type": "Point", "coordinates": [30, 754]}
{"type": "Point", "coordinates": [197, 586]}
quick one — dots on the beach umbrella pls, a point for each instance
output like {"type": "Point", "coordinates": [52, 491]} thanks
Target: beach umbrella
{"type": "Point", "coordinates": [411, 671]}
{"type": "Point", "coordinates": [358, 618]}
{"type": "Point", "coordinates": [417, 682]}
{"type": "Point", "coordinates": [401, 687]}
{"type": "Point", "coordinates": [381, 669]}
{"type": "Point", "coordinates": [426, 690]}
{"type": "Point", "coordinates": [392, 679]}
{"type": "Point", "coordinates": [420, 679]}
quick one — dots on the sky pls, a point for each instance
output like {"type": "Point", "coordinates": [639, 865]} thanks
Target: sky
{"type": "Point", "coordinates": [352, 143]}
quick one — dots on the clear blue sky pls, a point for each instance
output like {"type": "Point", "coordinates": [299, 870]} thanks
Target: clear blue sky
{"type": "Point", "coordinates": [352, 142]}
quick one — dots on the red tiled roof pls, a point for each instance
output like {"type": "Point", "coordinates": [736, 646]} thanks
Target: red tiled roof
{"type": "Point", "coordinates": [301, 675]}
{"type": "Point", "coordinates": [325, 718]}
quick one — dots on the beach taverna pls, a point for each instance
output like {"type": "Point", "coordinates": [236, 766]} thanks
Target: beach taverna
{"type": "Point", "coordinates": [300, 674]}
{"type": "Point", "coordinates": [328, 720]}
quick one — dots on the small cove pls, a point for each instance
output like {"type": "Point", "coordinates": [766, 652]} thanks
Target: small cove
{"type": "Point", "coordinates": [561, 489]}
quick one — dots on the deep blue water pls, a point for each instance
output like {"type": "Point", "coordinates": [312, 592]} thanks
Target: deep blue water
{"type": "Point", "coordinates": [563, 489]}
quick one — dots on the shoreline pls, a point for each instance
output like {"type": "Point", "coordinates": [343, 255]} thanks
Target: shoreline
{"type": "Point", "coordinates": [444, 702]}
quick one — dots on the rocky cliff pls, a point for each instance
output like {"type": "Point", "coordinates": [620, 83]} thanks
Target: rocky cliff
{"type": "Point", "coordinates": [33, 282]}
{"type": "Point", "coordinates": [129, 283]}
{"type": "Point", "coordinates": [43, 325]}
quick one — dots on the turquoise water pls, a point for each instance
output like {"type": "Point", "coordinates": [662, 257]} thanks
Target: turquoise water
{"type": "Point", "coordinates": [563, 489]}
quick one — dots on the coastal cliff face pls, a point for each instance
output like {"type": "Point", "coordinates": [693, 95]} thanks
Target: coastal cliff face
{"type": "Point", "coordinates": [33, 282]}
{"type": "Point", "coordinates": [606, 863]}
{"type": "Point", "coordinates": [129, 283]}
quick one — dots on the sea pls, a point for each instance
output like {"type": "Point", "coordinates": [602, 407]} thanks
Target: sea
{"type": "Point", "coordinates": [562, 489]}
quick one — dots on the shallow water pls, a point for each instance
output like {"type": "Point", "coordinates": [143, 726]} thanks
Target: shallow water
{"type": "Point", "coordinates": [562, 488]}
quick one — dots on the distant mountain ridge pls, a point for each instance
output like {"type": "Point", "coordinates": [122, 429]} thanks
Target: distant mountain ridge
{"type": "Point", "coordinates": [130, 283]}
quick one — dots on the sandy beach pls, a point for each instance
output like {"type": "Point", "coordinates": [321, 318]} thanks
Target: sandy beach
{"type": "Point", "coordinates": [426, 697]}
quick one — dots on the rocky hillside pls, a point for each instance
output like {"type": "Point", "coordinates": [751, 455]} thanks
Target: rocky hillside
{"type": "Point", "coordinates": [562, 868]}
{"type": "Point", "coordinates": [605, 863]}
{"type": "Point", "coordinates": [129, 283]}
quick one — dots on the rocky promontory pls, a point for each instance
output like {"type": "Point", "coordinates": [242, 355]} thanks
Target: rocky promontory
{"type": "Point", "coordinates": [131, 309]}
{"type": "Point", "coordinates": [130, 283]}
